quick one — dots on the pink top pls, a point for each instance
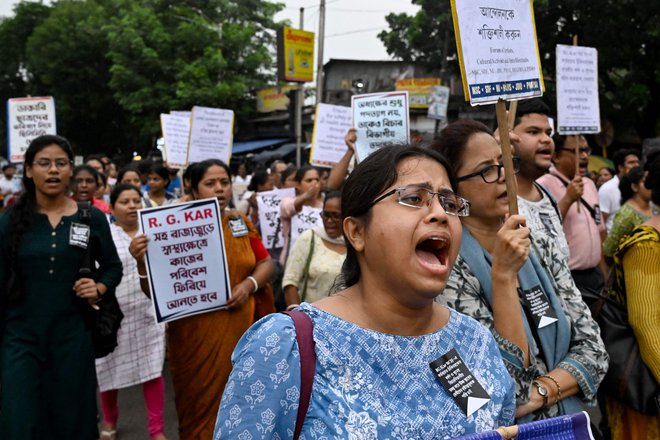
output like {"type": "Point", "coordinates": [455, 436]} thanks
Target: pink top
{"type": "Point", "coordinates": [582, 232]}
{"type": "Point", "coordinates": [287, 210]}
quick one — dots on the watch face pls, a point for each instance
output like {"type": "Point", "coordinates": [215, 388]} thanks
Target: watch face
{"type": "Point", "coordinates": [542, 390]}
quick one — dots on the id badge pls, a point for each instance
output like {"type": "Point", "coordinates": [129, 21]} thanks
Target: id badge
{"type": "Point", "coordinates": [79, 235]}
{"type": "Point", "coordinates": [238, 227]}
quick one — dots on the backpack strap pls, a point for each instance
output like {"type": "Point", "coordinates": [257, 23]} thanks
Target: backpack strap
{"type": "Point", "coordinates": [305, 337]}
{"type": "Point", "coordinates": [552, 199]}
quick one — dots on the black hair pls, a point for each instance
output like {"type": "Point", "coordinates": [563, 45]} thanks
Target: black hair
{"type": "Point", "coordinates": [120, 188]}
{"type": "Point", "coordinates": [188, 171]}
{"type": "Point", "coordinates": [300, 173]}
{"type": "Point", "coordinates": [131, 168]}
{"type": "Point", "coordinates": [652, 180]}
{"type": "Point", "coordinates": [619, 157]}
{"type": "Point", "coordinates": [559, 141]}
{"type": "Point", "coordinates": [452, 140]}
{"type": "Point", "coordinates": [368, 180]}
{"type": "Point", "coordinates": [259, 178]}
{"type": "Point", "coordinates": [290, 169]}
{"type": "Point", "coordinates": [331, 195]}
{"type": "Point", "coordinates": [531, 106]}
{"type": "Point", "coordinates": [634, 176]}
{"type": "Point", "coordinates": [90, 169]}
{"type": "Point", "coordinates": [22, 213]}
{"type": "Point", "coordinates": [8, 165]}
{"type": "Point", "coordinates": [197, 172]}
{"type": "Point", "coordinates": [161, 170]}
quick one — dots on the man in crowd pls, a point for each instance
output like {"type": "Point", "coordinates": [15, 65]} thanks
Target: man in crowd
{"type": "Point", "coordinates": [6, 181]}
{"type": "Point", "coordinates": [582, 226]}
{"type": "Point", "coordinates": [276, 169]}
{"type": "Point", "coordinates": [609, 195]}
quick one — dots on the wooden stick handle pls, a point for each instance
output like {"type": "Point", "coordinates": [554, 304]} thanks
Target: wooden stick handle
{"type": "Point", "coordinates": [507, 157]}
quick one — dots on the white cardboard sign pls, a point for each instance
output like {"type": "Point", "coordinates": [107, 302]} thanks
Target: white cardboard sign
{"type": "Point", "coordinates": [186, 259]}
{"type": "Point", "coordinates": [497, 50]}
{"type": "Point", "coordinates": [331, 123]}
{"type": "Point", "coordinates": [307, 218]}
{"type": "Point", "coordinates": [176, 130]}
{"type": "Point", "coordinates": [27, 119]}
{"type": "Point", "coordinates": [269, 216]}
{"type": "Point", "coordinates": [380, 119]}
{"type": "Point", "coordinates": [578, 107]}
{"type": "Point", "coordinates": [211, 134]}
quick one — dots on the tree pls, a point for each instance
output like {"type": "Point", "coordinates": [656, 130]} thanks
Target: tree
{"type": "Point", "coordinates": [626, 34]}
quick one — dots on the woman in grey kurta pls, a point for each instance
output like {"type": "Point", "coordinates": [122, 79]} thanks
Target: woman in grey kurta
{"type": "Point", "coordinates": [47, 371]}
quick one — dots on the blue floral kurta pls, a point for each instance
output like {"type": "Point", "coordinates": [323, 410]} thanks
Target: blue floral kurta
{"type": "Point", "coordinates": [368, 385]}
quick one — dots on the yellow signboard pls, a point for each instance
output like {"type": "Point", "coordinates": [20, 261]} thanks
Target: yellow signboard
{"type": "Point", "coordinates": [273, 98]}
{"type": "Point", "coordinates": [419, 90]}
{"type": "Point", "coordinates": [295, 55]}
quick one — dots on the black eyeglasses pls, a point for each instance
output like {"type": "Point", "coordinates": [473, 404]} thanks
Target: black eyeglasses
{"type": "Point", "coordinates": [492, 173]}
{"type": "Point", "coordinates": [330, 216]}
{"type": "Point", "coordinates": [415, 196]}
{"type": "Point", "coordinates": [46, 164]}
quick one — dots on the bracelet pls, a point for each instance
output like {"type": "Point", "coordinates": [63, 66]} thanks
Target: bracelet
{"type": "Point", "coordinates": [558, 398]}
{"type": "Point", "coordinates": [291, 307]}
{"type": "Point", "coordinates": [254, 281]}
{"type": "Point", "coordinates": [142, 277]}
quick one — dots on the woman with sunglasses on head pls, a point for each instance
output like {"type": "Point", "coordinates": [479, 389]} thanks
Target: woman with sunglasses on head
{"type": "Point", "coordinates": [47, 375]}
{"type": "Point", "coordinates": [316, 258]}
{"type": "Point", "coordinates": [381, 338]}
{"type": "Point", "coordinates": [550, 343]}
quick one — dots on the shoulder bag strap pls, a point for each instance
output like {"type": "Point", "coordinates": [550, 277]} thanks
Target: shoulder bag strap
{"type": "Point", "coordinates": [306, 272]}
{"type": "Point", "coordinates": [305, 338]}
{"type": "Point", "coordinates": [595, 212]}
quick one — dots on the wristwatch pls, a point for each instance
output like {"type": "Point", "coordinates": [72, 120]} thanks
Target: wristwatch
{"type": "Point", "coordinates": [543, 392]}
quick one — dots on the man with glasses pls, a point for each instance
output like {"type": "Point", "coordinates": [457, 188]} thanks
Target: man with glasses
{"type": "Point", "coordinates": [533, 144]}
{"type": "Point", "coordinates": [582, 226]}
{"type": "Point", "coordinates": [609, 194]}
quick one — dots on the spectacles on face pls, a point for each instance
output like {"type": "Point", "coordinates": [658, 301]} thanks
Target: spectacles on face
{"type": "Point", "coordinates": [583, 150]}
{"type": "Point", "coordinates": [331, 216]}
{"type": "Point", "coordinates": [492, 173]}
{"type": "Point", "coordinates": [415, 196]}
{"type": "Point", "coordinates": [45, 164]}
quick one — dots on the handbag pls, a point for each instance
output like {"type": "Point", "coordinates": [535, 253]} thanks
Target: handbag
{"type": "Point", "coordinates": [303, 295]}
{"type": "Point", "coordinates": [105, 318]}
{"type": "Point", "coordinates": [628, 379]}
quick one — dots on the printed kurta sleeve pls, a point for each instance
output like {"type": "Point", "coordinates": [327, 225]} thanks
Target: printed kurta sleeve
{"type": "Point", "coordinates": [109, 270]}
{"type": "Point", "coordinates": [295, 264]}
{"type": "Point", "coordinates": [587, 359]}
{"type": "Point", "coordinates": [463, 294]}
{"type": "Point", "coordinates": [262, 393]}
{"type": "Point", "coordinates": [640, 266]}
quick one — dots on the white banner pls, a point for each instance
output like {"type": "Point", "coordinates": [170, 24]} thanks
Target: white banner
{"type": "Point", "coordinates": [497, 49]}
{"type": "Point", "coordinates": [578, 109]}
{"type": "Point", "coordinates": [380, 119]}
{"type": "Point", "coordinates": [176, 130]}
{"type": "Point", "coordinates": [186, 259]}
{"type": "Point", "coordinates": [307, 218]}
{"type": "Point", "coordinates": [438, 103]}
{"type": "Point", "coordinates": [269, 216]}
{"type": "Point", "coordinates": [331, 123]}
{"type": "Point", "coordinates": [28, 118]}
{"type": "Point", "coordinates": [211, 134]}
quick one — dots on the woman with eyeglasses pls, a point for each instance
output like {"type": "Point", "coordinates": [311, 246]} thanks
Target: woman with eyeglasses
{"type": "Point", "coordinates": [47, 374]}
{"type": "Point", "coordinates": [384, 348]}
{"type": "Point", "coordinates": [316, 257]}
{"type": "Point", "coordinates": [550, 344]}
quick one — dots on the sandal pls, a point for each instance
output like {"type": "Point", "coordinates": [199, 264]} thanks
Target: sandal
{"type": "Point", "coordinates": [109, 435]}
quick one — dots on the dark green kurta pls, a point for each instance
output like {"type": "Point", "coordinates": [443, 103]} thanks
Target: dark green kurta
{"type": "Point", "coordinates": [47, 373]}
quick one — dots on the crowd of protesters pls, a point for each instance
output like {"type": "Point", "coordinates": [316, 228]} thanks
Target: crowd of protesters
{"type": "Point", "coordinates": [391, 281]}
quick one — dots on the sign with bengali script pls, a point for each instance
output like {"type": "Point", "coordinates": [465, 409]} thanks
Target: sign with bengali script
{"type": "Point", "coordinates": [497, 50]}
{"type": "Point", "coordinates": [307, 218]}
{"type": "Point", "coordinates": [186, 259]}
{"type": "Point", "coordinates": [380, 119]}
{"type": "Point", "coordinates": [578, 108]}
{"type": "Point", "coordinates": [269, 216]}
{"type": "Point", "coordinates": [273, 99]}
{"type": "Point", "coordinates": [211, 134]}
{"type": "Point", "coordinates": [176, 130]}
{"type": "Point", "coordinates": [295, 55]}
{"type": "Point", "coordinates": [27, 119]}
{"type": "Point", "coordinates": [419, 90]}
{"type": "Point", "coordinates": [331, 123]}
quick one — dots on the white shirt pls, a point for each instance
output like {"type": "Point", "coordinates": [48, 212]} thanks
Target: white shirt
{"type": "Point", "coordinates": [609, 199]}
{"type": "Point", "coordinates": [6, 185]}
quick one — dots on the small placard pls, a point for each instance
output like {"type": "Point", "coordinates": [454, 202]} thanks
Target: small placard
{"type": "Point", "coordinates": [79, 235]}
{"type": "Point", "coordinates": [538, 305]}
{"type": "Point", "coordinates": [459, 382]}
{"type": "Point", "coordinates": [238, 227]}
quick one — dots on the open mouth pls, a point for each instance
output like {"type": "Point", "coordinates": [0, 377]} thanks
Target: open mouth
{"type": "Point", "coordinates": [503, 195]}
{"type": "Point", "coordinates": [545, 152]}
{"type": "Point", "coordinates": [53, 180]}
{"type": "Point", "coordinates": [433, 253]}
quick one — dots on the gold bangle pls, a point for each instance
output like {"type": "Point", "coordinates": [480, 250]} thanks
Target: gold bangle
{"type": "Point", "coordinates": [556, 384]}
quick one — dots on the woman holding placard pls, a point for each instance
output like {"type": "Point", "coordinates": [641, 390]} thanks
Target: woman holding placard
{"type": "Point", "coordinates": [200, 346]}
{"type": "Point", "coordinates": [550, 343]}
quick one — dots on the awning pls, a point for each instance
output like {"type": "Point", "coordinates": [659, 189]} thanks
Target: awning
{"type": "Point", "coordinates": [244, 147]}
{"type": "Point", "coordinates": [279, 153]}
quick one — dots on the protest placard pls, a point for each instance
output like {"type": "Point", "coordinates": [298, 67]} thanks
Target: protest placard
{"type": "Point", "coordinates": [184, 113]}
{"type": "Point", "coordinates": [380, 119]}
{"type": "Point", "coordinates": [211, 134]}
{"type": "Point", "coordinates": [331, 123]}
{"type": "Point", "coordinates": [578, 108]}
{"type": "Point", "coordinates": [307, 218]}
{"type": "Point", "coordinates": [497, 49]}
{"type": "Point", "coordinates": [186, 259]}
{"type": "Point", "coordinates": [28, 118]}
{"type": "Point", "coordinates": [438, 103]}
{"type": "Point", "coordinates": [269, 216]}
{"type": "Point", "coordinates": [176, 130]}
{"type": "Point", "coordinates": [419, 90]}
